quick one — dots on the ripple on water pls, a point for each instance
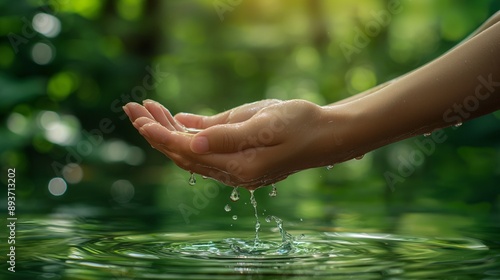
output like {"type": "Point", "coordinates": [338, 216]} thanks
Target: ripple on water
{"type": "Point", "coordinates": [207, 253]}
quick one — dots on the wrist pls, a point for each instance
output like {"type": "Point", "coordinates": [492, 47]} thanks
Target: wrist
{"type": "Point", "coordinates": [341, 136]}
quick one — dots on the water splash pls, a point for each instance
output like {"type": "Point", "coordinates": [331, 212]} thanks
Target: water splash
{"type": "Point", "coordinates": [235, 194]}
{"type": "Point", "coordinates": [273, 192]}
{"type": "Point", "coordinates": [257, 223]}
{"type": "Point", "coordinates": [286, 238]}
{"type": "Point", "coordinates": [192, 179]}
{"type": "Point", "coordinates": [227, 208]}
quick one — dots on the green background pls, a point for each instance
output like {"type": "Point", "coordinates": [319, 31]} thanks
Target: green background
{"type": "Point", "coordinates": [59, 94]}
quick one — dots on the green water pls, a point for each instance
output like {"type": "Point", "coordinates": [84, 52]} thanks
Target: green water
{"type": "Point", "coordinates": [130, 244]}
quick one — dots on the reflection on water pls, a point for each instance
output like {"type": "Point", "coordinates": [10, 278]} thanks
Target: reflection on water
{"type": "Point", "coordinates": [57, 248]}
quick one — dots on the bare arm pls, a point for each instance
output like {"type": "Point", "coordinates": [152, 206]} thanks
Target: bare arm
{"type": "Point", "coordinates": [461, 85]}
{"type": "Point", "coordinates": [488, 23]}
{"type": "Point", "coordinates": [263, 142]}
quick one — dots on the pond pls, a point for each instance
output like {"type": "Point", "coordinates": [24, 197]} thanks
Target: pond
{"type": "Point", "coordinates": [87, 242]}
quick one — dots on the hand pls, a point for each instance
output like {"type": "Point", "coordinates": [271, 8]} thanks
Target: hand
{"type": "Point", "coordinates": [252, 145]}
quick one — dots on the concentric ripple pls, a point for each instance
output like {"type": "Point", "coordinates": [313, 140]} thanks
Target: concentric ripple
{"type": "Point", "coordinates": [199, 255]}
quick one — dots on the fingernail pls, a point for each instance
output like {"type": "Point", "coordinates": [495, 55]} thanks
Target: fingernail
{"type": "Point", "coordinates": [199, 145]}
{"type": "Point", "coordinates": [148, 101]}
{"type": "Point", "coordinates": [127, 111]}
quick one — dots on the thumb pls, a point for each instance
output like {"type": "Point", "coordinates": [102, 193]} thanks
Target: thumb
{"type": "Point", "coordinates": [227, 138]}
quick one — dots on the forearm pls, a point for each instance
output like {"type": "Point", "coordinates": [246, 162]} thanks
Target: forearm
{"type": "Point", "coordinates": [461, 85]}
{"type": "Point", "coordinates": [487, 24]}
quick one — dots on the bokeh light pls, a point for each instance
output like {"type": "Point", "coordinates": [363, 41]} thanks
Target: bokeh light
{"type": "Point", "coordinates": [72, 173]}
{"type": "Point", "coordinates": [122, 191]}
{"type": "Point", "coordinates": [42, 53]}
{"type": "Point", "coordinates": [46, 24]}
{"type": "Point", "coordinates": [57, 186]}
{"type": "Point", "coordinates": [61, 130]}
{"type": "Point", "coordinates": [17, 123]}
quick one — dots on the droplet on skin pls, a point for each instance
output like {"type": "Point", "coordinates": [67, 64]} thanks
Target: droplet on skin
{"type": "Point", "coordinates": [235, 194]}
{"type": "Point", "coordinates": [235, 217]}
{"type": "Point", "coordinates": [359, 157]}
{"type": "Point", "coordinates": [273, 192]}
{"type": "Point", "coordinates": [227, 208]}
{"type": "Point", "coordinates": [192, 180]}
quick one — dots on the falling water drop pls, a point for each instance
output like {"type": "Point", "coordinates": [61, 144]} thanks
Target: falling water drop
{"type": "Point", "coordinates": [235, 217]}
{"type": "Point", "coordinates": [192, 179]}
{"type": "Point", "coordinates": [458, 124]}
{"type": "Point", "coordinates": [359, 157]}
{"type": "Point", "coordinates": [329, 167]}
{"type": "Point", "coordinates": [227, 208]}
{"type": "Point", "coordinates": [273, 192]}
{"type": "Point", "coordinates": [235, 194]}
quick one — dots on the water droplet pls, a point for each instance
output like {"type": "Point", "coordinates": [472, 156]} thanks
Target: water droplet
{"type": "Point", "coordinates": [235, 194]}
{"type": "Point", "coordinates": [329, 167]}
{"type": "Point", "coordinates": [269, 219]}
{"type": "Point", "coordinates": [359, 157]}
{"type": "Point", "coordinates": [427, 134]}
{"type": "Point", "coordinates": [273, 192]}
{"type": "Point", "coordinates": [458, 124]}
{"type": "Point", "coordinates": [301, 219]}
{"type": "Point", "coordinates": [204, 177]}
{"type": "Point", "coordinates": [192, 179]}
{"type": "Point", "coordinates": [227, 208]}
{"type": "Point", "coordinates": [235, 217]}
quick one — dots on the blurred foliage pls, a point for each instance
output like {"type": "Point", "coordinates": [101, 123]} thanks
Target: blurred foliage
{"type": "Point", "coordinates": [67, 67]}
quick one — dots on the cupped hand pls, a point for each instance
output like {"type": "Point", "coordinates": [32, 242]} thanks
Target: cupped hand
{"type": "Point", "coordinates": [251, 145]}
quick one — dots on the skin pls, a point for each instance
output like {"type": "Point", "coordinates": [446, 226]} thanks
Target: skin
{"type": "Point", "coordinates": [260, 143]}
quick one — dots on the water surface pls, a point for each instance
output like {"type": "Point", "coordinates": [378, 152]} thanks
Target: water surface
{"type": "Point", "coordinates": [56, 246]}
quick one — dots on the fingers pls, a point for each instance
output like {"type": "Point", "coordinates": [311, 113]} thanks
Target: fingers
{"type": "Point", "coordinates": [231, 138]}
{"type": "Point", "coordinates": [220, 139]}
{"type": "Point", "coordinates": [201, 122]}
{"type": "Point", "coordinates": [246, 169]}
{"type": "Point", "coordinates": [164, 138]}
{"type": "Point", "coordinates": [135, 111]}
{"type": "Point", "coordinates": [162, 115]}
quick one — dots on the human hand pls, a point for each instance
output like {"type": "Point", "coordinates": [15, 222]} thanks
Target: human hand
{"type": "Point", "coordinates": [251, 145]}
